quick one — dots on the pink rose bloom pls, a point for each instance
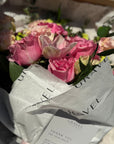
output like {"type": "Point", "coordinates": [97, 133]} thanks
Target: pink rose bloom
{"type": "Point", "coordinates": [105, 43]}
{"type": "Point", "coordinates": [56, 29]}
{"type": "Point", "coordinates": [57, 48]}
{"type": "Point", "coordinates": [35, 23]}
{"type": "Point", "coordinates": [62, 68]}
{"type": "Point", "coordinates": [75, 39]}
{"type": "Point", "coordinates": [83, 48]}
{"type": "Point", "coordinates": [26, 51]}
{"type": "Point", "coordinates": [40, 30]}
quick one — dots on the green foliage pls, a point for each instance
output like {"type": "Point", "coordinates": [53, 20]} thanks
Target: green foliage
{"type": "Point", "coordinates": [43, 62]}
{"type": "Point", "coordinates": [85, 70]}
{"type": "Point", "coordinates": [82, 66]}
{"type": "Point", "coordinates": [20, 35]}
{"type": "Point", "coordinates": [107, 52]}
{"type": "Point", "coordinates": [31, 12]}
{"type": "Point", "coordinates": [14, 70]}
{"type": "Point", "coordinates": [103, 31]}
{"type": "Point", "coordinates": [27, 10]}
{"type": "Point", "coordinates": [96, 39]}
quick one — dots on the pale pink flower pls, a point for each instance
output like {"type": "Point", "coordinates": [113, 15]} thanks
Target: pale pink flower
{"type": "Point", "coordinates": [47, 29]}
{"type": "Point", "coordinates": [40, 30]}
{"type": "Point", "coordinates": [57, 48]}
{"type": "Point", "coordinates": [75, 39]}
{"type": "Point", "coordinates": [35, 23]}
{"type": "Point", "coordinates": [105, 43]}
{"type": "Point", "coordinates": [62, 68]}
{"type": "Point", "coordinates": [56, 29]}
{"type": "Point", "coordinates": [26, 51]}
{"type": "Point", "coordinates": [83, 48]}
{"type": "Point", "coordinates": [37, 29]}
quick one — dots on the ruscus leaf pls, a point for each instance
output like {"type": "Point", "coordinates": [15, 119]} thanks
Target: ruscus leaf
{"type": "Point", "coordinates": [14, 70]}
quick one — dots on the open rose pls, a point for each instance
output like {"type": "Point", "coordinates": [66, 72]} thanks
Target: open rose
{"type": "Point", "coordinates": [56, 29]}
{"type": "Point", "coordinates": [57, 48]}
{"type": "Point", "coordinates": [83, 48]}
{"type": "Point", "coordinates": [40, 28]}
{"type": "Point", "coordinates": [106, 44]}
{"type": "Point", "coordinates": [62, 68]}
{"type": "Point", "coordinates": [75, 39]}
{"type": "Point", "coordinates": [35, 23]}
{"type": "Point", "coordinates": [26, 51]}
{"type": "Point", "coordinates": [44, 28]}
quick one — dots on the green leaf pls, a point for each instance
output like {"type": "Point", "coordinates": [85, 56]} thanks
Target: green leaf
{"type": "Point", "coordinates": [18, 37]}
{"type": "Point", "coordinates": [85, 36]}
{"type": "Point", "coordinates": [27, 11]}
{"type": "Point", "coordinates": [14, 70]}
{"type": "Point", "coordinates": [107, 52]}
{"type": "Point", "coordinates": [103, 31]}
{"type": "Point", "coordinates": [96, 39]}
{"type": "Point", "coordinates": [111, 34]}
{"type": "Point", "coordinates": [82, 66]}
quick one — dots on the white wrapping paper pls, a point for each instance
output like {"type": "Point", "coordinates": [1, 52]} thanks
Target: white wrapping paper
{"type": "Point", "coordinates": [37, 95]}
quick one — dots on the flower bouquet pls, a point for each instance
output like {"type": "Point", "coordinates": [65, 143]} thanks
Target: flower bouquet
{"type": "Point", "coordinates": [52, 69]}
{"type": "Point", "coordinates": [68, 57]}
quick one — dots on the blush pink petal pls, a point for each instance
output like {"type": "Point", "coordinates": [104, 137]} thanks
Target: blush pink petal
{"type": "Point", "coordinates": [25, 51]}
{"type": "Point", "coordinates": [62, 68]}
{"type": "Point", "coordinates": [83, 48]}
{"type": "Point", "coordinates": [56, 29]}
{"type": "Point", "coordinates": [57, 48]}
{"type": "Point", "coordinates": [105, 43]}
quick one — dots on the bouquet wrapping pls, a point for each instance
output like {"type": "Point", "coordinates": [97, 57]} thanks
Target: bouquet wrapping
{"type": "Point", "coordinates": [37, 94]}
{"type": "Point", "coordinates": [91, 101]}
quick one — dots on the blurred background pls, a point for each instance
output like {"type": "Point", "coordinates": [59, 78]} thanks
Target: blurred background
{"type": "Point", "coordinates": [74, 10]}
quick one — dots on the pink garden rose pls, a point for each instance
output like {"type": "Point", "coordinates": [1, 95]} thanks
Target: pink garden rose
{"type": "Point", "coordinates": [106, 43]}
{"type": "Point", "coordinates": [62, 68]}
{"type": "Point", "coordinates": [26, 51]}
{"type": "Point", "coordinates": [75, 39]}
{"type": "Point", "coordinates": [40, 30]}
{"type": "Point", "coordinates": [57, 48]}
{"type": "Point", "coordinates": [35, 23]}
{"type": "Point", "coordinates": [45, 28]}
{"type": "Point", "coordinates": [83, 48]}
{"type": "Point", "coordinates": [56, 29]}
